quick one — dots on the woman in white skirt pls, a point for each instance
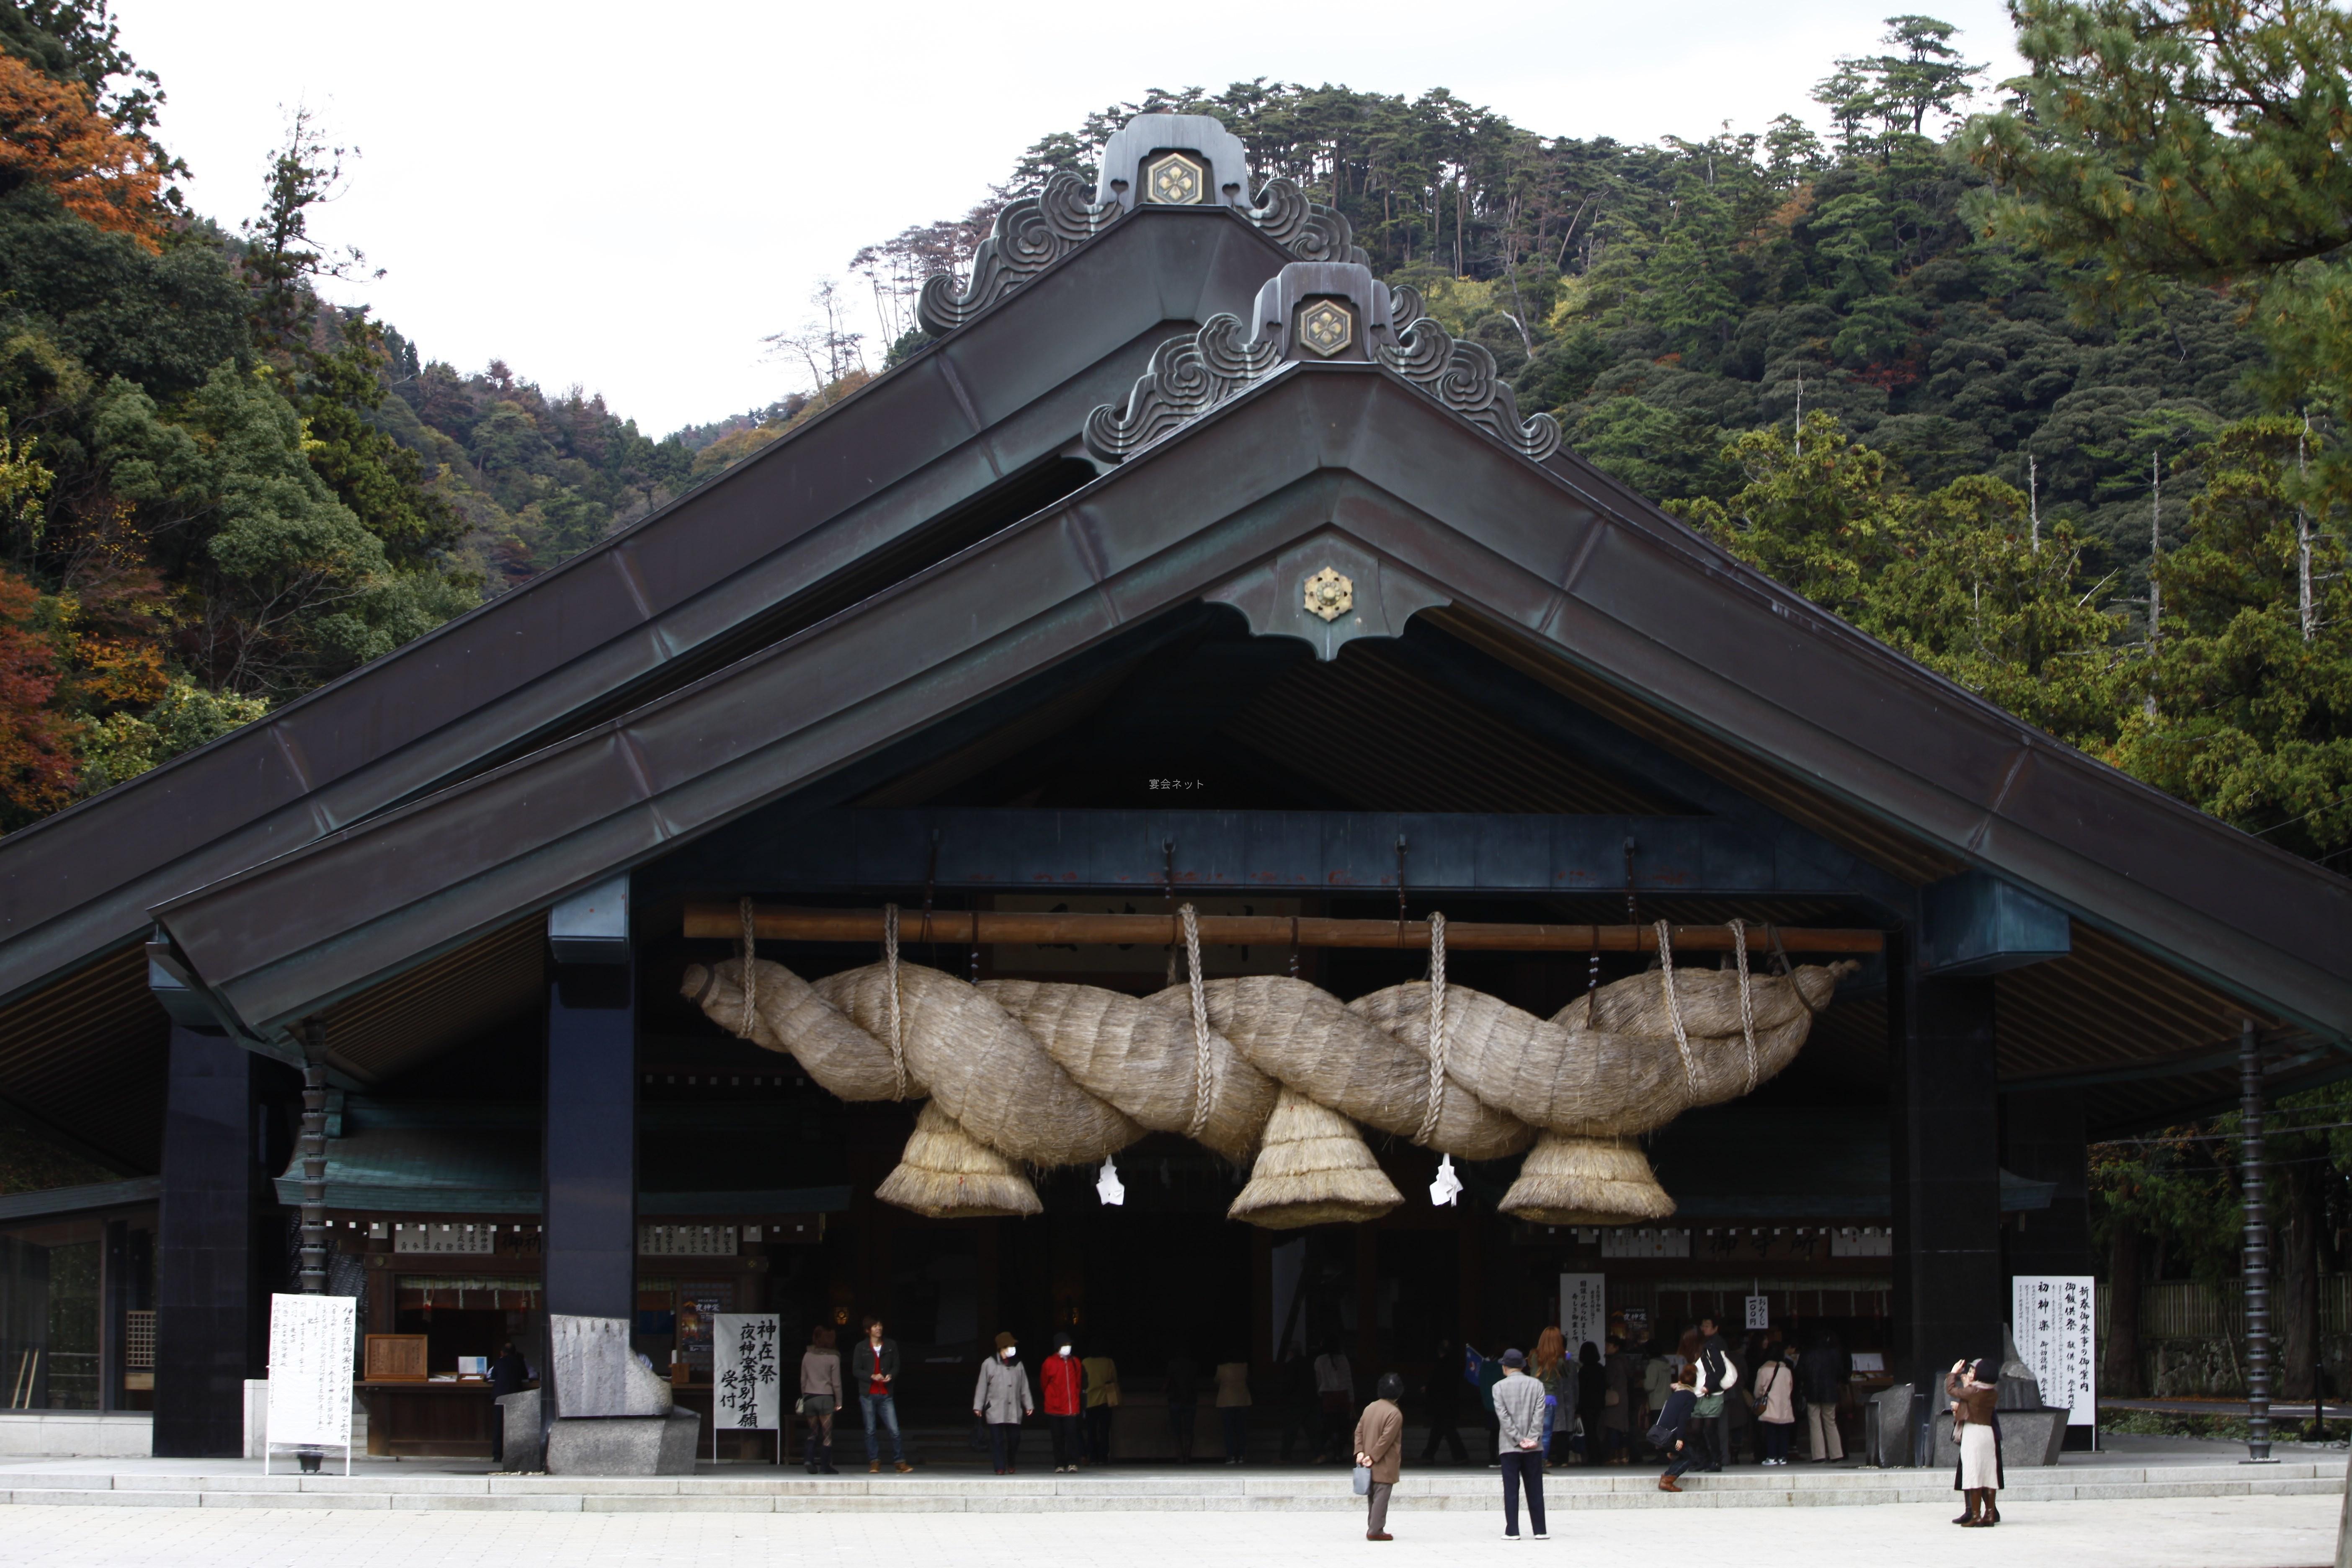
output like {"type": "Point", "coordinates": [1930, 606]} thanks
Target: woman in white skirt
{"type": "Point", "coordinates": [1979, 1437]}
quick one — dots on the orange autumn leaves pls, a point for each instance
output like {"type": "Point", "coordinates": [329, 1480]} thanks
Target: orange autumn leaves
{"type": "Point", "coordinates": [36, 759]}
{"type": "Point", "coordinates": [51, 136]}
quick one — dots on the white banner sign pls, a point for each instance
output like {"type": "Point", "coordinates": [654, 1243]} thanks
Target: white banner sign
{"type": "Point", "coordinates": [745, 1376]}
{"type": "Point", "coordinates": [1583, 1312]}
{"type": "Point", "coordinates": [1759, 1311]}
{"type": "Point", "coordinates": [311, 1339]}
{"type": "Point", "coordinates": [2055, 1325]}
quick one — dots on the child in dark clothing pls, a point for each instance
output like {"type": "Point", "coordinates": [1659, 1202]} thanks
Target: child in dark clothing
{"type": "Point", "coordinates": [1670, 1435]}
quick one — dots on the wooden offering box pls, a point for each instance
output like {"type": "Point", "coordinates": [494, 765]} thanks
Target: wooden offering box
{"type": "Point", "coordinates": [394, 1358]}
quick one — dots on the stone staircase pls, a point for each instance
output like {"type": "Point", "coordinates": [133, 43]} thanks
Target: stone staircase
{"type": "Point", "coordinates": [743, 1489]}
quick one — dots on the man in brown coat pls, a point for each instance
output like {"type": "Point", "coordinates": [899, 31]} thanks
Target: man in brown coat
{"type": "Point", "coordinates": [1380, 1447]}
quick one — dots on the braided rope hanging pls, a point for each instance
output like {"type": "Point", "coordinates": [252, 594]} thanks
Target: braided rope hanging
{"type": "Point", "coordinates": [1204, 1058]}
{"type": "Point", "coordinates": [751, 976]}
{"type": "Point", "coordinates": [1674, 1010]}
{"type": "Point", "coordinates": [1747, 1001]}
{"type": "Point", "coordinates": [897, 1015]}
{"type": "Point", "coordinates": [1429, 1116]}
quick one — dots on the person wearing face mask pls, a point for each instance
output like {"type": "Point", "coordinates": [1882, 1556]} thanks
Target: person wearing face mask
{"type": "Point", "coordinates": [1002, 1399]}
{"type": "Point", "coordinates": [1064, 1380]}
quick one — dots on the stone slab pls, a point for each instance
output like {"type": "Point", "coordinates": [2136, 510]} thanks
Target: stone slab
{"type": "Point", "coordinates": [624, 1445]}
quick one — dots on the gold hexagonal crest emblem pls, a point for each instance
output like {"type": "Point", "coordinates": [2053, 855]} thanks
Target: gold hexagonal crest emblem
{"type": "Point", "coordinates": [1326, 327]}
{"type": "Point", "coordinates": [1176, 180]}
{"type": "Point", "coordinates": [1329, 596]}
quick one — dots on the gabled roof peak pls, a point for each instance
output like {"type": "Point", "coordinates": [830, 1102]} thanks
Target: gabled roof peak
{"type": "Point", "coordinates": [1321, 313]}
{"type": "Point", "coordinates": [1154, 160]}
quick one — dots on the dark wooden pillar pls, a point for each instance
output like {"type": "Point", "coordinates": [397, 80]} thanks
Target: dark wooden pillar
{"type": "Point", "coordinates": [591, 1141]}
{"type": "Point", "coordinates": [209, 1300]}
{"type": "Point", "coordinates": [1945, 1102]}
{"type": "Point", "coordinates": [2042, 1139]}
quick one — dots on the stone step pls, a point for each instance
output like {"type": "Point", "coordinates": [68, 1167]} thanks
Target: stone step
{"type": "Point", "coordinates": [1433, 1490]}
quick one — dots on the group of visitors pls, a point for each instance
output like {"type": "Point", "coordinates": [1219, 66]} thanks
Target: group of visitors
{"type": "Point", "coordinates": [872, 1372]}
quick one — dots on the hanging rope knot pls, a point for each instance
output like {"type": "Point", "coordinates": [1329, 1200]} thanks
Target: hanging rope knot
{"type": "Point", "coordinates": [1747, 999]}
{"type": "Point", "coordinates": [1436, 1029]}
{"type": "Point", "coordinates": [1204, 1060]}
{"type": "Point", "coordinates": [1674, 1008]}
{"type": "Point", "coordinates": [897, 1017]}
{"type": "Point", "coordinates": [743, 1026]}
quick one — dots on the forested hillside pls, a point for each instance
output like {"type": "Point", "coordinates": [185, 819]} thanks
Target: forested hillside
{"type": "Point", "coordinates": [1940, 371]}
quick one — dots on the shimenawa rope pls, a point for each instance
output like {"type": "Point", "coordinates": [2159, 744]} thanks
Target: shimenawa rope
{"type": "Point", "coordinates": [897, 1018]}
{"type": "Point", "coordinates": [750, 977]}
{"type": "Point", "coordinates": [1674, 1010]}
{"type": "Point", "coordinates": [1437, 1028]}
{"type": "Point", "coordinates": [1204, 1060]}
{"type": "Point", "coordinates": [1747, 1002]}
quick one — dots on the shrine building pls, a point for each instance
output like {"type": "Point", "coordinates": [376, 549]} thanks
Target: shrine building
{"type": "Point", "coordinates": [1187, 581]}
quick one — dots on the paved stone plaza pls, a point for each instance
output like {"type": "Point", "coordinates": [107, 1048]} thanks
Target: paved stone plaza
{"type": "Point", "coordinates": [2218, 1532]}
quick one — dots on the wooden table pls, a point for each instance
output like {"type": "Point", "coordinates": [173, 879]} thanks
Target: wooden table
{"type": "Point", "coordinates": [430, 1420]}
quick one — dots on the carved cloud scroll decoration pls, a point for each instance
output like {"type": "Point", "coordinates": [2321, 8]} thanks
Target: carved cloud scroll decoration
{"type": "Point", "coordinates": [1303, 227]}
{"type": "Point", "coordinates": [1030, 235]}
{"type": "Point", "coordinates": [1188, 377]}
{"type": "Point", "coordinates": [1461, 377]}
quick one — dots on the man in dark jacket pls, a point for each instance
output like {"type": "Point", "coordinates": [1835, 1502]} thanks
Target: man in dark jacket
{"type": "Point", "coordinates": [1822, 1376]}
{"type": "Point", "coordinates": [1446, 1382]}
{"type": "Point", "coordinates": [1717, 1376]}
{"type": "Point", "coordinates": [1672, 1435]}
{"type": "Point", "coordinates": [874, 1373]}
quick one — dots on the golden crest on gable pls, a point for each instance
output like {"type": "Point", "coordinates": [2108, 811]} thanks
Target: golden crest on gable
{"type": "Point", "coordinates": [1330, 595]}
{"type": "Point", "coordinates": [1326, 327]}
{"type": "Point", "coordinates": [1176, 180]}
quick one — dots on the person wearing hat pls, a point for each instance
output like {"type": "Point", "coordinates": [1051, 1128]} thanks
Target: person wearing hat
{"type": "Point", "coordinates": [1380, 1449]}
{"type": "Point", "coordinates": [1002, 1398]}
{"type": "Point", "coordinates": [1974, 1388]}
{"type": "Point", "coordinates": [1520, 1443]}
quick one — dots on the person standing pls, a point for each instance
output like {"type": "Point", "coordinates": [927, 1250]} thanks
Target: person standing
{"type": "Point", "coordinates": [1335, 1392]}
{"type": "Point", "coordinates": [1974, 1388]}
{"type": "Point", "coordinates": [873, 1368]}
{"type": "Point", "coordinates": [1519, 1417]}
{"type": "Point", "coordinates": [1102, 1398]}
{"type": "Point", "coordinates": [1622, 1384]}
{"type": "Point", "coordinates": [821, 1398]}
{"type": "Point", "coordinates": [1444, 1400]}
{"type": "Point", "coordinates": [1716, 1378]}
{"type": "Point", "coordinates": [1001, 1398]}
{"type": "Point", "coordinates": [1822, 1375]}
{"type": "Point", "coordinates": [1064, 1380]}
{"type": "Point", "coordinates": [1550, 1365]}
{"type": "Point", "coordinates": [1671, 1434]}
{"type": "Point", "coordinates": [1233, 1409]}
{"type": "Point", "coordinates": [1183, 1405]}
{"type": "Point", "coordinates": [1775, 1415]}
{"type": "Point", "coordinates": [1592, 1400]}
{"type": "Point", "coordinates": [507, 1374]}
{"type": "Point", "coordinates": [1657, 1387]}
{"type": "Point", "coordinates": [1380, 1447]}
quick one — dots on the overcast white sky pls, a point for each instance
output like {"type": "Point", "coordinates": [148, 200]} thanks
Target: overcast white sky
{"type": "Point", "coordinates": [630, 197]}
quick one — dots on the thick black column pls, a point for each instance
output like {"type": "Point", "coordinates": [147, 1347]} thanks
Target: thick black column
{"type": "Point", "coordinates": [207, 1298]}
{"type": "Point", "coordinates": [591, 1141]}
{"type": "Point", "coordinates": [1946, 1173]}
{"type": "Point", "coordinates": [2042, 1139]}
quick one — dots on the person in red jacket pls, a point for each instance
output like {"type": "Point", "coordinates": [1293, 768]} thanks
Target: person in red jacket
{"type": "Point", "coordinates": [1065, 1378]}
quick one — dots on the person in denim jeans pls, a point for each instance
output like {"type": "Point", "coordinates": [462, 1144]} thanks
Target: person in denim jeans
{"type": "Point", "coordinates": [872, 1372]}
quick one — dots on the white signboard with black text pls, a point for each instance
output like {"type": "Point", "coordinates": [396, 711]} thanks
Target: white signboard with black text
{"type": "Point", "coordinates": [313, 1340]}
{"type": "Point", "coordinates": [1583, 1311]}
{"type": "Point", "coordinates": [746, 1378]}
{"type": "Point", "coordinates": [2055, 1320]}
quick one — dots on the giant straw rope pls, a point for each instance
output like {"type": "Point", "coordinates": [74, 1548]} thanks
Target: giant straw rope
{"type": "Point", "coordinates": [1024, 1074]}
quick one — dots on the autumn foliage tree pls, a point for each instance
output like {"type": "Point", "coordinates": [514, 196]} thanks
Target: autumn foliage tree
{"type": "Point", "coordinates": [36, 759]}
{"type": "Point", "coordinates": [52, 137]}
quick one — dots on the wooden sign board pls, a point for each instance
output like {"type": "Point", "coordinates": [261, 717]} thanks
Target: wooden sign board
{"type": "Point", "coordinates": [396, 1358]}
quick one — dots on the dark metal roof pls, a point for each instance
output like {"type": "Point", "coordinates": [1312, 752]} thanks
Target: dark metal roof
{"type": "Point", "coordinates": [57, 1202]}
{"type": "Point", "coordinates": [1315, 458]}
{"type": "Point", "coordinates": [893, 477]}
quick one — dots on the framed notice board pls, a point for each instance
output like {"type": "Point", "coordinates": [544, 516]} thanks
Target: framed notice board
{"type": "Point", "coordinates": [394, 1358]}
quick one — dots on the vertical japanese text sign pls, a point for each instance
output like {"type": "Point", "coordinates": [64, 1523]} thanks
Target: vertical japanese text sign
{"type": "Point", "coordinates": [311, 1340]}
{"type": "Point", "coordinates": [1583, 1313]}
{"type": "Point", "coordinates": [2054, 1321]}
{"type": "Point", "coordinates": [743, 1362]}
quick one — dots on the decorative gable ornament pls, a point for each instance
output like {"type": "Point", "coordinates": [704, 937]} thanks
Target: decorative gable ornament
{"type": "Point", "coordinates": [1166, 160]}
{"type": "Point", "coordinates": [1328, 313]}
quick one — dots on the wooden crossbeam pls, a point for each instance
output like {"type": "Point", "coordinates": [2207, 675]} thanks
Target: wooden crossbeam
{"type": "Point", "coordinates": [772, 924]}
